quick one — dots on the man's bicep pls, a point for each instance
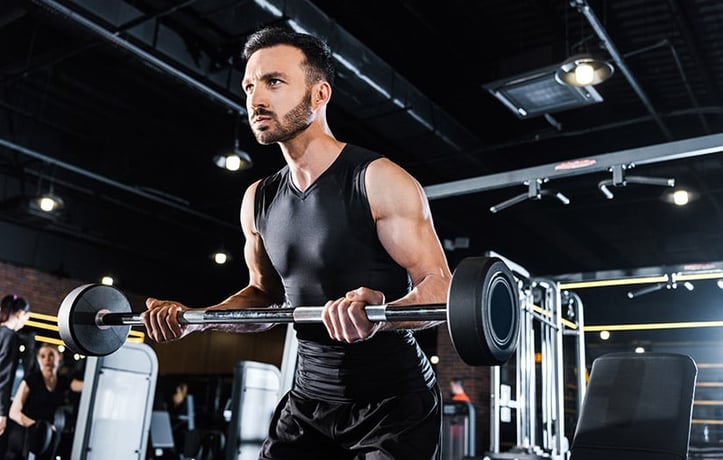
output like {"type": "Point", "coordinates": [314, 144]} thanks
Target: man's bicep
{"type": "Point", "coordinates": [262, 274]}
{"type": "Point", "coordinates": [413, 244]}
{"type": "Point", "coordinates": [404, 221]}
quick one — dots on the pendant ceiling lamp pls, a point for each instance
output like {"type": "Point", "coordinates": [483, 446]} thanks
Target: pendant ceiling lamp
{"type": "Point", "coordinates": [584, 70]}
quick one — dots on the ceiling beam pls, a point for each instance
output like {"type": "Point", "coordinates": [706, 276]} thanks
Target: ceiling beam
{"type": "Point", "coordinates": [657, 153]}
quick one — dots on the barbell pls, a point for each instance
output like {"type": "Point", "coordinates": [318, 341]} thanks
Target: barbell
{"type": "Point", "coordinates": [482, 314]}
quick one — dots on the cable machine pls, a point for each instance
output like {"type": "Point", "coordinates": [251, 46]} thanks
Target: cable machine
{"type": "Point", "coordinates": [536, 379]}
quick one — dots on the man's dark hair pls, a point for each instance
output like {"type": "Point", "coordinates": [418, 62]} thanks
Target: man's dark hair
{"type": "Point", "coordinates": [319, 60]}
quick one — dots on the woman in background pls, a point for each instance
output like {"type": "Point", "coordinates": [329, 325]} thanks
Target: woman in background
{"type": "Point", "coordinates": [14, 311]}
{"type": "Point", "coordinates": [38, 397]}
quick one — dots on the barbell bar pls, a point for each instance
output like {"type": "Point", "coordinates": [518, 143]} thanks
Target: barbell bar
{"type": "Point", "coordinates": [375, 313]}
{"type": "Point", "coordinates": [482, 314]}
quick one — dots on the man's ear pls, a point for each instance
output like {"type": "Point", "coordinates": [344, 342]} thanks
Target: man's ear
{"type": "Point", "coordinates": [321, 94]}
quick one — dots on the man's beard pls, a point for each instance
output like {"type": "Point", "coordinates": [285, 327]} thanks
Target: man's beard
{"type": "Point", "coordinates": [295, 121]}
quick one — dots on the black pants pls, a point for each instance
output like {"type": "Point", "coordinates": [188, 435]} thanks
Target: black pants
{"type": "Point", "coordinates": [405, 427]}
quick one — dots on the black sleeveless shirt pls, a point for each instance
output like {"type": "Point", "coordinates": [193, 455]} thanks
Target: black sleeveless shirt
{"type": "Point", "coordinates": [42, 403]}
{"type": "Point", "coordinates": [323, 243]}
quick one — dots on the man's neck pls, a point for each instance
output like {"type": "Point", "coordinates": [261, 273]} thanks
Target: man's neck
{"type": "Point", "coordinates": [309, 158]}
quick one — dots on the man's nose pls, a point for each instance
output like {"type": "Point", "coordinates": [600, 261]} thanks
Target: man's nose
{"type": "Point", "coordinates": [255, 100]}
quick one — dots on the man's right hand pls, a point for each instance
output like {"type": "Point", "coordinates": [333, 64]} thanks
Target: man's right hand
{"type": "Point", "coordinates": [161, 320]}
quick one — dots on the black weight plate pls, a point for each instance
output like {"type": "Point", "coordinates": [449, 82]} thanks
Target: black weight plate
{"type": "Point", "coordinates": [77, 315]}
{"type": "Point", "coordinates": [483, 311]}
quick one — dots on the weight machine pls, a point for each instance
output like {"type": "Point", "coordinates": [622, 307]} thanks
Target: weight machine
{"type": "Point", "coordinates": [538, 407]}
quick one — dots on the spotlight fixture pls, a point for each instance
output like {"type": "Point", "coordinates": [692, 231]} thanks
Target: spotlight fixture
{"type": "Point", "coordinates": [583, 70]}
{"type": "Point", "coordinates": [107, 280]}
{"type": "Point", "coordinates": [48, 202]}
{"type": "Point", "coordinates": [680, 196]}
{"type": "Point", "coordinates": [237, 160]}
{"type": "Point", "coordinates": [221, 257]}
{"type": "Point", "coordinates": [47, 205]}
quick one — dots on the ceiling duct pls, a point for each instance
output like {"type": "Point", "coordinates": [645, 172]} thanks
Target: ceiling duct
{"type": "Point", "coordinates": [154, 43]}
{"type": "Point", "coordinates": [366, 85]}
{"type": "Point", "coordinates": [371, 88]}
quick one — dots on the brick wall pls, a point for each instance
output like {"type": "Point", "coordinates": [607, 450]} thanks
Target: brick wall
{"type": "Point", "coordinates": [476, 382]}
{"type": "Point", "coordinates": [207, 353]}
{"type": "Point", "coordinates": [44, 292]}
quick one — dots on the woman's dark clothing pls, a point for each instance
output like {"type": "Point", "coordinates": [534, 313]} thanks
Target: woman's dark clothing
{"type": "Point", "coordinates": [9, 342]}
{"type": "Point", "coordinates": [323, 243]}
{"type": "Point", "coordinates": [40, 405]}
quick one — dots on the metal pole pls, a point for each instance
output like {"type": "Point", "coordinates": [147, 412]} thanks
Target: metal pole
{"type": "Point", "coordinates": [526, 410]}
{"type": "Point", "coordinates": [520, 375]}
{"type": "Point", "coordinates": [546, 366]}
{"type": "Point", "coordinates": [495, 409]}
{"type": "Point", "coordinates": [581, 364]}
{"type": "Point", "coordinates": [559, 389]}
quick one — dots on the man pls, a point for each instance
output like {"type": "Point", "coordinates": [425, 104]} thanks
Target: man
{"type": "Point", "coordinates": [457, 390]}
{"type": "Point", "coordinates": [342, 227]}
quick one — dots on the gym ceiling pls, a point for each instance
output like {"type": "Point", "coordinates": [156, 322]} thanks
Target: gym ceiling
{"type": "Point", "coordinates": [120, 107]}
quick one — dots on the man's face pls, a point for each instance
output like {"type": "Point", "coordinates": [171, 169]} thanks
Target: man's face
{"type": "Point", "coordinates": [278, 98]}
